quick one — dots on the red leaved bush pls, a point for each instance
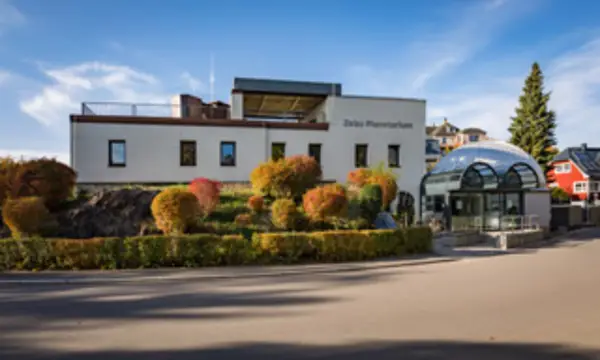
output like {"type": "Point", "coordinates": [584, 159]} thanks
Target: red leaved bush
{"type": "Point", "coordinates": [207, 192]}
{"type": "Point", "coordinates": [324, 202]}
{"type": "Point", "coordinates": [256, 203]}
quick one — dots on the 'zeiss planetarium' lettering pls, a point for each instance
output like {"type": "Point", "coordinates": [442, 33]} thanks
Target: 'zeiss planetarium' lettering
{"type": "Point", "coordinates": [377, 124]}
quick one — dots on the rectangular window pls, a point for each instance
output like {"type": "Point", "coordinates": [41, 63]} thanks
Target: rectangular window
{"type": "Point", "coordinates": [361, 156]}
{"type": "Point", "coordinates": [473, 138]}
{"type": "Point", "coordinates": [579, 187]}
{"type": "Point", "coordinates": [394, 156]}
{"type": "Point", "coordinates": [277, 151]}
{"type": "Point", "coordinates": [566, 168]}
{"type": "Point", "coordinates": [444, 140]}
{"type": "Point", "coordinates": [432, 147]}
{"type": "Point", "coordinates": [594, 186]}
{"type": "Point", "coordinates": [314, 151]}
{"type": "Point", "coordinates": [227, 153]}
{"type": "Point", "coordinates": [187, 153]}
{"type": "Point", "coordinates": [116, 153]}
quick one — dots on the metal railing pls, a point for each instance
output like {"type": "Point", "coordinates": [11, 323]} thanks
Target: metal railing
{"type": "Point", "coordinates": [502, 223]}
{"type": "Point", "coordinates": [154, 110]}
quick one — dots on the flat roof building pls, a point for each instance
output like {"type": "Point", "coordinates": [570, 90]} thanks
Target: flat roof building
{"type": "Point", "coordinates": [116, 143]}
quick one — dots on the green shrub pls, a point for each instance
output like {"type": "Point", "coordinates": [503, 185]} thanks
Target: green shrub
{"type": "Point", "coordinates": [243, 219]}
{"type": "Point", "coordinates": [284, 214]}
{"type": "Point", "coordinates": [559, 195]}
{"type": "Point", "coordinates": [210, 249]}
{"type": "Point", "coordinates": [25, 216]}
{"type": "Point", "coordinates": [175, 210]}
{"type": "Point", "coordinates": [371, 201]}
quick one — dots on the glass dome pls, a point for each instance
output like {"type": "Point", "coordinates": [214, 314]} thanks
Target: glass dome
{"type": "Point", "coordinates": [500, 162]}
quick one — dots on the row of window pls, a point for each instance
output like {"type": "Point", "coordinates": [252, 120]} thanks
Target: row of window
{"type": "Point", "coordinates": [562, 168]}
{"type": "Point", "coordinates": [580, 187]}
{"type": "Point", "coordinates": [188, 153]}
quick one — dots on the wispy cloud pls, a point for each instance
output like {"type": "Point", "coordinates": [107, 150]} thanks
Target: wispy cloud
{"type": "Point", "coordinates": [90, 81]}
{"type": "Point", "coordinates": [193, 83]}
{"type": "Point", "coordinates": [9, 15]}
{"type": "Point", "coordinates": [443, 49]}
{"type": "Point", "coordinates": [4, 76]}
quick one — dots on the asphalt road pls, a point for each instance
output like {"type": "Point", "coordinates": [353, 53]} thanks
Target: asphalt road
{"type": "Point", "coordinates": [534, 304]}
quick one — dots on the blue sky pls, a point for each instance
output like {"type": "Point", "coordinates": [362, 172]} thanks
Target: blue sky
{"type": "Point", "coordinates": [468, 58]}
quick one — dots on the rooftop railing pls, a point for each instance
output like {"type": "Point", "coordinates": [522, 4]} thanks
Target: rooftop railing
{"type": "Point", "coordinates": [154, 110]}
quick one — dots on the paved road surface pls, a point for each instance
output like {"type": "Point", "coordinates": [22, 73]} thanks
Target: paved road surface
{"type": "Point", "coordinates": [534, 304]}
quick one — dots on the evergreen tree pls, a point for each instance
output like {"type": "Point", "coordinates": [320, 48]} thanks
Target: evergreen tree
{"type": "Point", "coordinates": [533, 127]}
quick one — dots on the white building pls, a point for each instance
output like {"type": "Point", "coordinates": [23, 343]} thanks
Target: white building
{"type": "Point", "coordinates": [131, 144]}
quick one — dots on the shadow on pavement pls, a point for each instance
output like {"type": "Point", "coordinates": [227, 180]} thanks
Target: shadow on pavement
{"type": "Point", "coordinates": [419, 350]}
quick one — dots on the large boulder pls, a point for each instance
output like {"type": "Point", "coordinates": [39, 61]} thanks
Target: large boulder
{"type": "Point", "coordinates": [124, 212]}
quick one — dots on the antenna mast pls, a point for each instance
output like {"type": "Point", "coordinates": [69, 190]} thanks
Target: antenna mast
{"type": "Point", "coordinates": [212, 77]}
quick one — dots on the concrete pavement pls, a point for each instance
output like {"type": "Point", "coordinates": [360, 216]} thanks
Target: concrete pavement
{"type": "Point", "coordinates": [539, 303]}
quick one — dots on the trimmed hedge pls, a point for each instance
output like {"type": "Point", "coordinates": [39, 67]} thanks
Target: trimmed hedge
{"type": "Point", "coordinates": [210, 249]}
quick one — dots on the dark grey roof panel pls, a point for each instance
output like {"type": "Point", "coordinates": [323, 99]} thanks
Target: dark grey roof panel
{"type": "Point", "coordinates": [287, 87]}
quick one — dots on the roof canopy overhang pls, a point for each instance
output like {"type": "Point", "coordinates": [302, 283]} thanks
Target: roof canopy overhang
{"type": "Point", "coordinates": [272, 105]}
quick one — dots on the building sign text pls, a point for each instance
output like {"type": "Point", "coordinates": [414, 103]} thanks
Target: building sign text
{"type": "Point", "coordinates": [377, 124]}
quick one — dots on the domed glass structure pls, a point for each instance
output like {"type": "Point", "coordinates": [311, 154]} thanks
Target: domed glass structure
{"type": "Point", "coordinates": [483, 179]}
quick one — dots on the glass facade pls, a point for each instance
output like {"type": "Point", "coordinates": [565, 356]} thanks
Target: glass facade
{"type": "Point", "coordinates": [480, 185]}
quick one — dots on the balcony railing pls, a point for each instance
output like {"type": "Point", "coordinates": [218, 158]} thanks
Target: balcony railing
{"type": "Point", "coordinates": [153, 110]}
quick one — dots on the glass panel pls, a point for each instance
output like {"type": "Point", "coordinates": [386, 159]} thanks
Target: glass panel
{"type": "Point", "coordinates": [117, 153]}
{"type": "Point", "coordinates": [187, 153]}
{"type": "Point", "coordinates": [227, 154]}
{"type": "Point", "coordinates": [277, 151]}
{"type": "Point", "coordinates": [314, 150]}
{"type": "Point", "coordinates": [432, 147]}
{"type": "Point", "coordinates": [360, 156]}
{"type": "Point", "coordinates": [393, 155]}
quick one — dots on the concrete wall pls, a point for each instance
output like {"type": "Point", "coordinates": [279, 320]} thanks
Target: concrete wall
{"type": "Point", "coordinates": [152, 151]}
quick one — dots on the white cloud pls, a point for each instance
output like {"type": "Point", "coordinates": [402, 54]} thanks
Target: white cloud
{"type": "Point", "coordinates": [9, 15]}
{"type": "Point", "coordinates": [34, 154]}
{"type": "Point", "coordinates": [193, 83]}
{"type": "Point", "coordinates": [89, 82]}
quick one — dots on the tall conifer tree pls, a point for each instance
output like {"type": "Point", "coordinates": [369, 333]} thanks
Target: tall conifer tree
{"type": "Point", "coordinates": [533, 127]}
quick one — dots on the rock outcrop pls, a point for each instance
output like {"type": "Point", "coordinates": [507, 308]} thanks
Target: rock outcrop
{"type": "Point", "coordinates": [123, 212]}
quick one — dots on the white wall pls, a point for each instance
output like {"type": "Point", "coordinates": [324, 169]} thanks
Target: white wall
{"type": "Point", "coordinates": [538, 203]}
{"type": "Point", "coordinates": [237, 106]}
{"type": "Point", "coordinates": [152, 151]}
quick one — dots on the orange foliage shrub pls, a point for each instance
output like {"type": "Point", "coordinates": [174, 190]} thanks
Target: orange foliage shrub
{"type": "Point", "coordinates": [359, 177]}
{"type": "Point", "coordinates": [175, 210]}
{"type": "Point", "coordinates": [207, 192]}
{"type": "Point", "coordinates": [25, 216]}
{"type": "Point", "coordinates": [288, 177]}
{"type": "Point", "coordinates": [324, 202]}
{"type": "Point", "coordinates": [256, 203]}
{"type": "Point", "coordinates": [384, 178]}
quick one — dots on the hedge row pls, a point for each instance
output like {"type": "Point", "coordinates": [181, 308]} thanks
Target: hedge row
{"type": "Point", "coordinates": [210, 250]}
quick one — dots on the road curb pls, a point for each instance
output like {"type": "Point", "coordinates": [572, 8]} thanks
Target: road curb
{"type": "Point", "coordinates": [101, 278]}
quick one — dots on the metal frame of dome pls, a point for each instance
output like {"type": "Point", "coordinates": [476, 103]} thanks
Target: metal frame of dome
{"type": "Point", "coordinates": [486, 167]}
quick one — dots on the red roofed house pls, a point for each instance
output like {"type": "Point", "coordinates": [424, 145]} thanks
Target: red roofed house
{"type": "Point", "coordinates": [577, 171]}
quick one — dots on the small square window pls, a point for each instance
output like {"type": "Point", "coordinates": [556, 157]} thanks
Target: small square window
{"type": "Point", "coordinates": [314, 150]}
{"type": "Point", "coordinates": [580, 187]}
{"type": "Point", "coordinates": [277, 151]}
{"type": "Point", "coordinates": [394, 156]}
{"type": "Point", "coordinates": [228, 153]}
{"type": "Point", "coordinates": [116, 153]}
{"type": "Point", "coordinates": [361, 156]}
{"type": "Point", "coordinates": [187, 153]}
{"type": "Point", "coordinates": [473, 138]}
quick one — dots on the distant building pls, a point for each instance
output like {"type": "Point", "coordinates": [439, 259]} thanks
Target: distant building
{"type": "Point", "coordinates": [577, 171]}
{"type": "Point", "coordinates": [448, 137]}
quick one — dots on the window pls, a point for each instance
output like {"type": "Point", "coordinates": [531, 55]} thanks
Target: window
{"type": "Point", "coordinates": [277, 151]}
{"type": "Point", "coordinates": [314, 150]}
{"type": "Point", "coordinates": [227, 153]}
{"type": "Point", "coordinates": [187, 153]}
{"type": "Point", "coordinates": [116, 153]}
{"type": "Point", "coordinates": [473, 138]}
{"type": "Point", "coordinates": [432, 147]}
{"type": "Point", "coordinates": [562, 168]}
{"type": "Point", "coordinates": [579, 187]}
{"type": "Point", "coordinates": [394, 156]}
{"type": "Point", "coordinates": [444, 140]}
{"type": "Point", "coordinates": [361, 156]}
{"type": "Point", "coordinates": [594, 186]}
